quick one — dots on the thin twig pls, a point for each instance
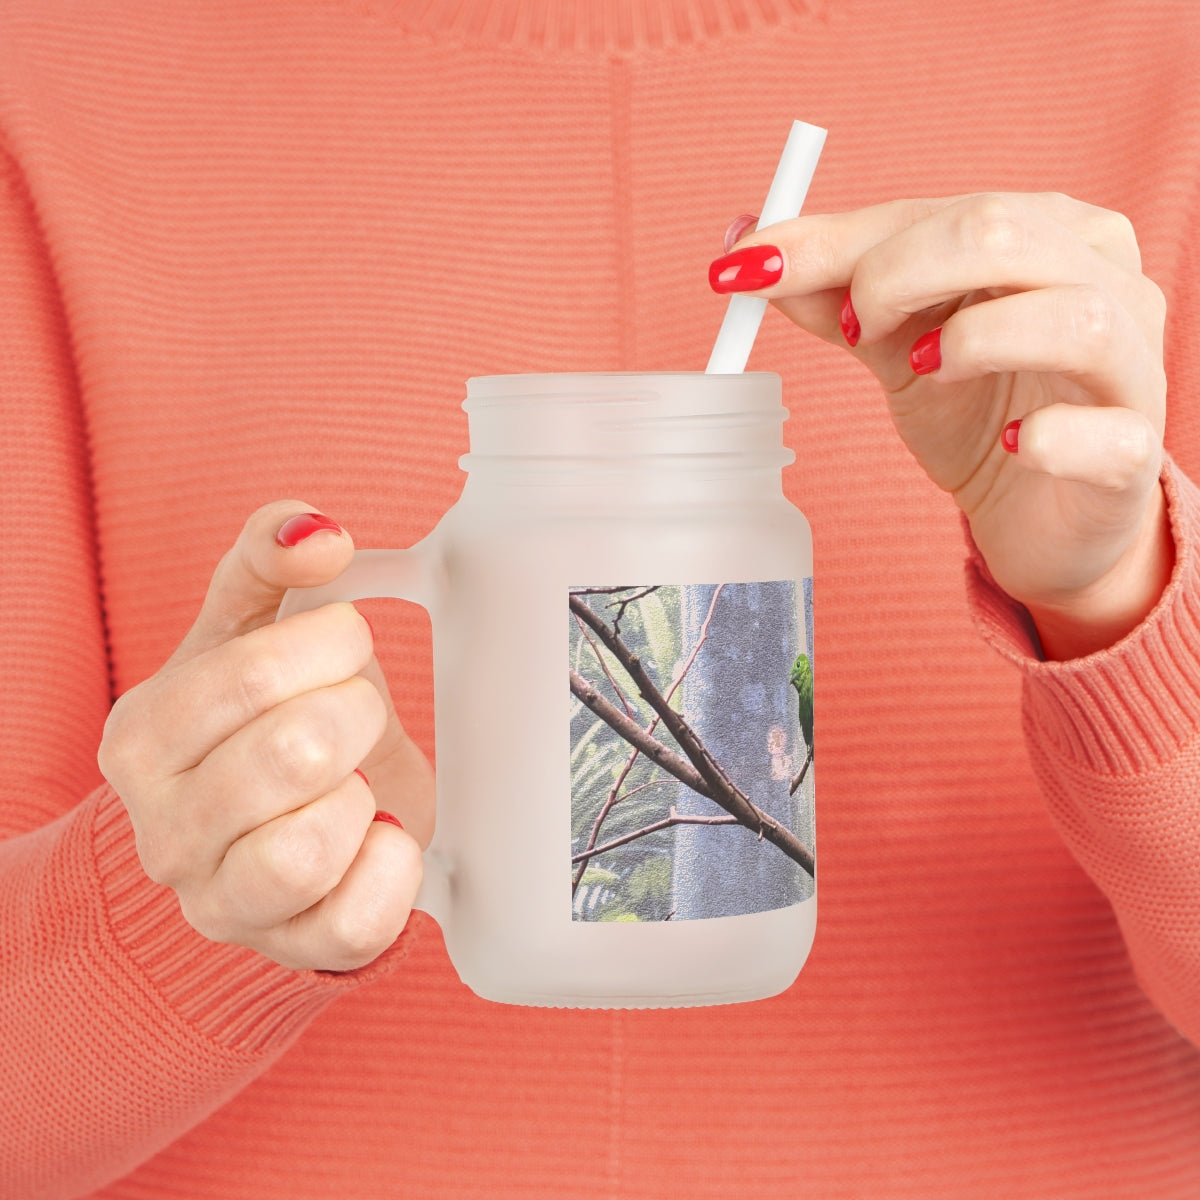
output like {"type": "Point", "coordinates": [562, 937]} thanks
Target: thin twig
{"type": "Point", "coordinates": [687, 666]}
{"type": "Point", "coordinates": [635, 735]}
{"type": "Point", "coordinates": [653, 783]}
{"type": "Point", "coordinates": [614, 791]}
{"type": "Point", "coordinates": [799, 778]}
{"type": "Point", "coordinates": [665, 823]}
{"type": "Point", "coordinates": [626, 601]}
{"type": "Point", "coordinates": [616, 687]}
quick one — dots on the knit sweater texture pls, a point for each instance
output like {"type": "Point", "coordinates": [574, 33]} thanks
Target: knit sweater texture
{"type": "Point", "coordinates": [253, 251]}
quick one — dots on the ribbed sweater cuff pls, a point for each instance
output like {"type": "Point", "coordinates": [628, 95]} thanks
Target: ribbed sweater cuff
{"type": "Point", "coordinates": [1125, 709]}
{"type": "Point", "coordinates": [236, 997]}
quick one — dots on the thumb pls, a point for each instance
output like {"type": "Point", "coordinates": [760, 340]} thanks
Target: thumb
{"type": "Point", "coordinates": [286, 544]}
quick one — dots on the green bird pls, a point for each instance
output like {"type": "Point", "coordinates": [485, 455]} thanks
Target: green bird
{"type": "Point", "coordinates": [802, 681]}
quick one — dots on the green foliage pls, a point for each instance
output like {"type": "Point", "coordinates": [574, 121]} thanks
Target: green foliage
{"type": "Point", "coordinates": [649, 884]}
{"type": "Point", "coordinates": [660, 635]}
{"type": "Point", "coordinates": [645, 894]}
{"type": "Point", "coordinates": [598, 876]}
{"type": "Point", "coordinates": [641, 882]}
{"type": "Point", "coordinates": [585, 748]}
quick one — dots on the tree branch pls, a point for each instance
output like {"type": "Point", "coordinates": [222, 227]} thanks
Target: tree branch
{"type": "Point", "coordinates": [623, 603]}
{"type": "Point", "coordinates": [607, 807]}
{"type": "Point", "coordinates": [687, 666]}
{"type": "Point", "coordinates": [603, 591]}
{"type": "Point", "coordinates": [665, 823]}
{"type": "Point", "coordinates": [635, 735]}
{"type": "Point", "coordinates": [799, 779]}
{"type": "Point", "coordinates": [719, 787]}
{"type": "Point", "coordinates": [587, 637]}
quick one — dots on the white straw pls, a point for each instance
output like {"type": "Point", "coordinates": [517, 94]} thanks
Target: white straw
{"type": "Point", "coordinates": [788, 189]}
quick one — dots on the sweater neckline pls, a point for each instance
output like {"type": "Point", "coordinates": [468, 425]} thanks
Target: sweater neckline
{"type": "Point", "coordinates": [616, 26]}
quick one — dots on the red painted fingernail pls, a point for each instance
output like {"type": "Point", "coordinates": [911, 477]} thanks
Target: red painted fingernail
{"type": "Point", "coordinates": [380, 815]}
{"type": "Point", "coordinates": [851, 330]}
{"type": "Point", "coordinates": [746, 270]}
{"type": "Point", "coordinates": [362, 777]}
{"type": "Point", "coordinates": [926, 353]}
{"type": "Point", "coordinates": [737, 227]}
{"type": "Point", "coordinates": [295, 529]}
{"type": "Point", "coordinates": [1009, 436]}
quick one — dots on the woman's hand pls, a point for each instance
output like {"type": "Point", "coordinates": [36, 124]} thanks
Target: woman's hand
{"type": "Point", "coordinates": [237, 762]}
{"type": "Point", "coordinates": [979, 312]}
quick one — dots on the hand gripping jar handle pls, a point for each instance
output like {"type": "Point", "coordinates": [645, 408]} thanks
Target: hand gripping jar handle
{"type": "Point", "coordinates": [400, 575]}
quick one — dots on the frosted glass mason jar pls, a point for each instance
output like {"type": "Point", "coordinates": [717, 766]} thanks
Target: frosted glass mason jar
{"type": "Point", "coordinates": [622, 642]}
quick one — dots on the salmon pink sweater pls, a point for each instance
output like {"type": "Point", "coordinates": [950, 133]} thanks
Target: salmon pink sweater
{"type": "Point", "coordinates": [251, 251]}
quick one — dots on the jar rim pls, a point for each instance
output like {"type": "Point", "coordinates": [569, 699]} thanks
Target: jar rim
{"type": "Point", "coordinates": [548, 386]}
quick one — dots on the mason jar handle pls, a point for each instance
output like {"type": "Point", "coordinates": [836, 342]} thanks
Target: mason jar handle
{"type": "Point", "coordinates": [401, 575]}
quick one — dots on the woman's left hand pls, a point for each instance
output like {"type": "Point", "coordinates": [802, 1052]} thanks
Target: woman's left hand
{"type": "Point", "coordinates": [977, 312]}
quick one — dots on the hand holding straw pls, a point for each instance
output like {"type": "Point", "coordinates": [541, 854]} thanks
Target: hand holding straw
{"type": "Point", "coordinates": [788, 189]}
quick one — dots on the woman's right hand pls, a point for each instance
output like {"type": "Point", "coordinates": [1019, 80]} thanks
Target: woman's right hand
{"type": "Point", "coordinates": [237, 762]}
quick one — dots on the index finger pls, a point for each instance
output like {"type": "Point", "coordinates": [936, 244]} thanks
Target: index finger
{"type": "Point", "coordinates": [820, 251]}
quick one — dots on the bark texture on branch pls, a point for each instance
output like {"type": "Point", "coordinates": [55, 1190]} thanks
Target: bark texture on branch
{"type": "Point", "coordinates": [635, 735]}
{"type": "Point", "coordinates": [614, 794]}
{"type": "Point", "coordinates": [716, 785]}
{"type": "Point", "coordinates": [798, 779]}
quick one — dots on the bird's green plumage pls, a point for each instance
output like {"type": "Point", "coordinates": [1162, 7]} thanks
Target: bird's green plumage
{"type": "Point", "coordinates": [802, 681]}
